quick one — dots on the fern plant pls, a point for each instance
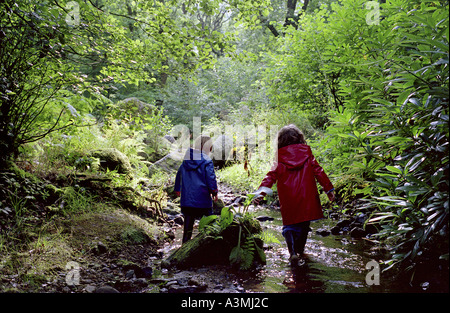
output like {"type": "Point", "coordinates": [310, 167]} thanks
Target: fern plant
{"type": "Point", "coordinates": [247, 249]}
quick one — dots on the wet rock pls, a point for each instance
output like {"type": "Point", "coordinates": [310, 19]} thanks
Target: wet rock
{"type": "Point", "coordinates": [361, 218]}
{"type": "Point", "coordinates": [264, 218]}
{"type": "Point", "coordinates": [343, 223]}
{"type": "Point", "coordinates": [323, 232]}
{"type": "Point", "coordinates": [140, 282]}
{"type": "Point", "coordinates": [146, 272]}
{"type": "Point", "coordinates": [219, 287]}
{"type": "Point", "coordinates": [238, 200]}
{"type": "Point", "coordinates": [425, 285]}
{"type": "Point", "coordinates": [89, 288]}
{"type": "Point", "coordinates": [171, 283]}
{"type": "Point", "coordinates": [335, 230]}
{"type": "Point", "coordinates": [99, 248]}
{"type": "Point", "coordinates": [124, 286]}
{"type": "Point", "coordinates": [179, 220]}
{"type": "Point", "coordinates": [357, 232]}
{"type": "Point", "coordinates": [130, 274]}
{"type": "Point", "coordinates": [334, 216]}
{"type": "Point", "coordinates": [171, 210]}
{"type": "Point", "coordinates": [371, 229]}
{"type": "Point", "coordinates": [106, 289]}
{"type": "Point", "coordinates": [198, 282]}
{"type": "Point", "coordinates": [135, 271]}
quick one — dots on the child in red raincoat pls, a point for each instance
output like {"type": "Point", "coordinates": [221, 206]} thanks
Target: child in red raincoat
{"type": "Point", "coordinates": [295, 171]}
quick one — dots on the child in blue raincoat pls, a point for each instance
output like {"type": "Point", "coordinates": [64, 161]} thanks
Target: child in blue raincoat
{"type": "Point", "coordinates": [196, 183]}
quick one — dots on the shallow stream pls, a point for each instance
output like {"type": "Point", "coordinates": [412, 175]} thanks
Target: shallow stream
{"type": "Point", "coordinates": [335, 264]}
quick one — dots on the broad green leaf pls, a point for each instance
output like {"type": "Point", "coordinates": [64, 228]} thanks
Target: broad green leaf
{"type": "Point", "coordinates": [394, 169]}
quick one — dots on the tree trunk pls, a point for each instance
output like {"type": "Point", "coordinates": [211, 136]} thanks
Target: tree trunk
{"type": "Point", "coordinates": [291, 19]}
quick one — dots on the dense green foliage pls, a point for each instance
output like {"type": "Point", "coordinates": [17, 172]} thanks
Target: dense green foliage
{"type": "Point", "coordinates": [368, 88]}
{"type": "Point", "coordinates": [385, 91]}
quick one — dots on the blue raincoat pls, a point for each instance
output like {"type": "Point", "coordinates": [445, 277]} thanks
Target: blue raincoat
{"type": "Point", "coordinates": [196, 180]}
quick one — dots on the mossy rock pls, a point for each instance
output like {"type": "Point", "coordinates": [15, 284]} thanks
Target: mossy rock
{"type": "Point", "coordinates": [168, 164]}
{"type": "Point", "coordinates": [201, 250]}
{"type": "Point", "coordinates": [54, 192]}
{"type": "Point", "coordinates": [115, 229]}
{"type": "Point", "coordinates": [112, 159]}
{"type": "Point", "coordinates": [207, 249]}
{"type": "Point", "coordinates": [132, 235]}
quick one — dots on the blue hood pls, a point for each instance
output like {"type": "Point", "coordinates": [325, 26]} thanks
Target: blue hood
{"type": "Point", "coordinates": [193, 159]}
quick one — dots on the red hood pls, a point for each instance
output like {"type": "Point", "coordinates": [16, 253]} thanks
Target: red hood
{"type": "Point", "coordinates": [294, 156]}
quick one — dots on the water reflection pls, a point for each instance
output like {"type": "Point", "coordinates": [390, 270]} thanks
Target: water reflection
{"type": "Point", "coordinates": [334, 264]}
{"type": "Point", "coordinates": [305, 279]}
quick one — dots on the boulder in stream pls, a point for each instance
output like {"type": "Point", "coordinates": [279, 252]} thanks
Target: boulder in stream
{"type": "Point", "coordinates": [212, 247]}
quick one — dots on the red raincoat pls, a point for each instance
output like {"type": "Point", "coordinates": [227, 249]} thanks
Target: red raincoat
{"type": "Point", "coordinates": [295, 174]}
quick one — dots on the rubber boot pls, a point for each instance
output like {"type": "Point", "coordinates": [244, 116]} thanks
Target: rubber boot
{"type": "Point", "coordinates": [300, 240]}
{"type": "Point", "coordinates": [290, 238]}
{"type": "Point", "coordinates": [188, 227]}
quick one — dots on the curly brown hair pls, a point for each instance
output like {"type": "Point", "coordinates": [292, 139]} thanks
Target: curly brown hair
{"type": "Point", "coordinates": [289, 135]}
{"type": "Point", "coordinates": [203, 143]}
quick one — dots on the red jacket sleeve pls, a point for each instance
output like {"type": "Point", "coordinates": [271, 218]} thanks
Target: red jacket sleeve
{"type": "Point", "coordinates": [320, 175]}
{"type": "Point", "coordinates": [271, 177]}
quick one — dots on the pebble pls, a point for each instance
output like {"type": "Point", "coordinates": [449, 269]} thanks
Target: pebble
{"type": "Point", "coordinates": [90, 288]}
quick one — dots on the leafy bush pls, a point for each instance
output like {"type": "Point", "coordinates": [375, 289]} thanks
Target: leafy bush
{"type": "Point", "coordinates": [241, 179]}
{"type": "Point", "coordinates": [73, 149]}
{"type": "Point", "coordinates": [402, 135]}
{"type": "Point", "coordinates": [386, 98]}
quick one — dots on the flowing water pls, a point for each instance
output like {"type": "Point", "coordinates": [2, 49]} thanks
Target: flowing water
{"type": "Point", "coordinates": [334, 264]}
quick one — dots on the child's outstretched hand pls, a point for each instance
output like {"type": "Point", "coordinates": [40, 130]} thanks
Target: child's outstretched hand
{"type": "Point", "coordinates": [258, 198]}
{"type": "Point", "coordinates": [215, 198]}
{"type": "Point", "coordinates": [331, 196]}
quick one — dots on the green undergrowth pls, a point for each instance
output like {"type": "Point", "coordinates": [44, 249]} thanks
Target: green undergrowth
{"type": "Point", "coordinates": [44, 225]}
{"type": "Point", "coordinates": [244, 179]}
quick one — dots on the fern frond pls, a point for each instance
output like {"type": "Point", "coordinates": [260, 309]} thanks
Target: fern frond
{"type": "Point", "coordinates": [268, 237]}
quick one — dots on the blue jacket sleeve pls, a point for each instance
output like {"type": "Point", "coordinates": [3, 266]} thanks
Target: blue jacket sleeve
{"type": "Point", "coordinates": [177, 186]}
{"type": "Point", "coordinates": [211, 178]}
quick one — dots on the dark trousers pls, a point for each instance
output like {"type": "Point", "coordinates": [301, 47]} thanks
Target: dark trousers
{"type": "Point", "coordinates": [295, 236]}
{"type": "Point", "coordinates": [190, 215]}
